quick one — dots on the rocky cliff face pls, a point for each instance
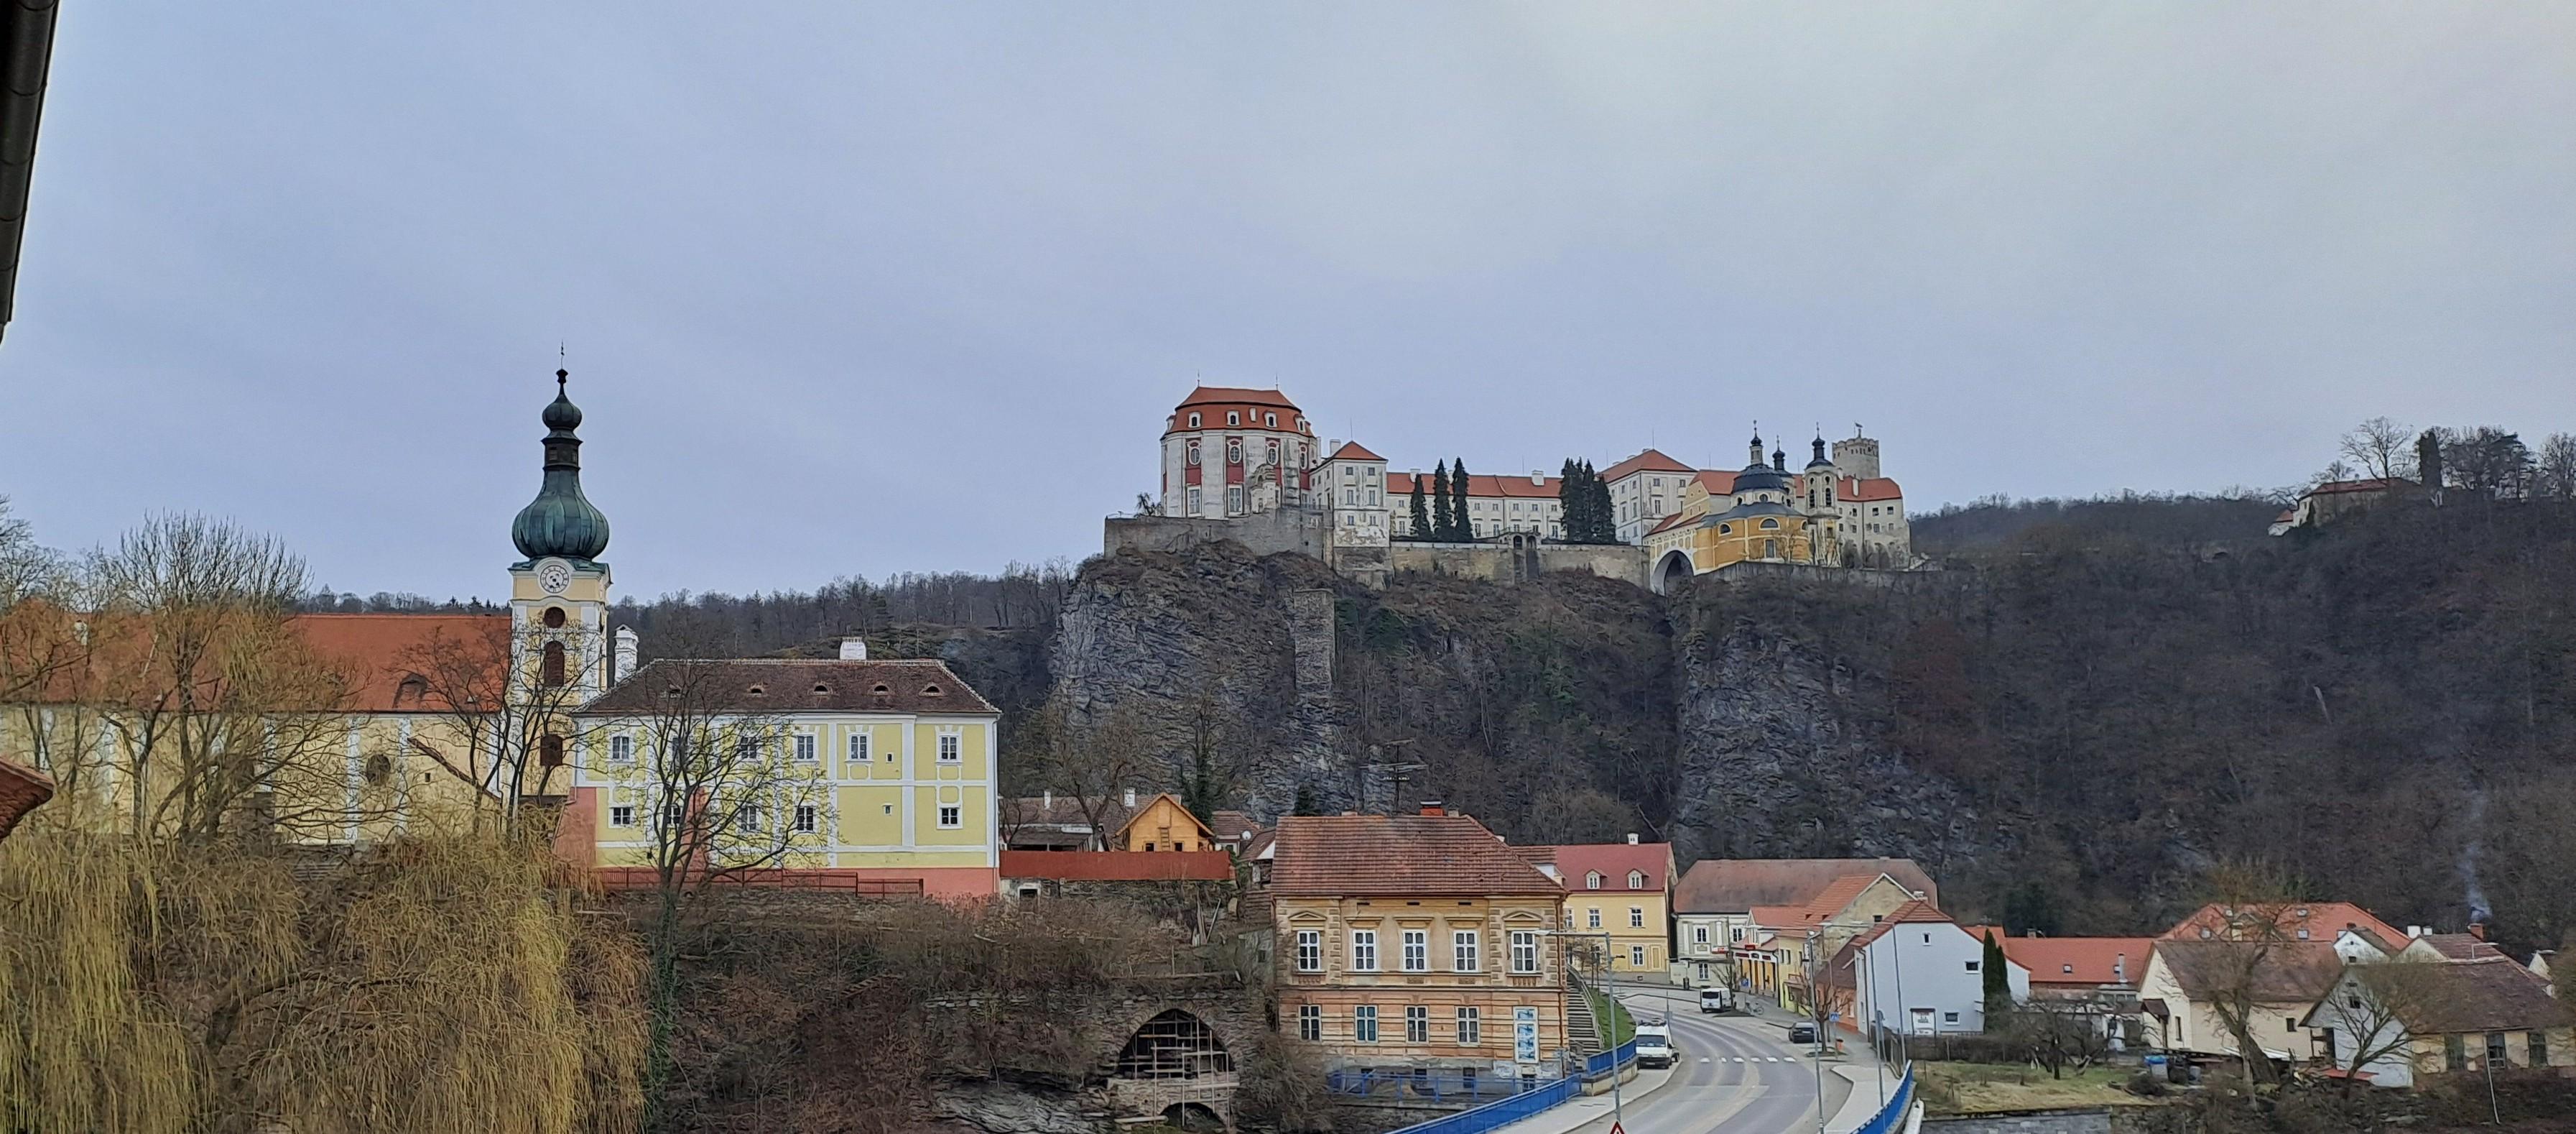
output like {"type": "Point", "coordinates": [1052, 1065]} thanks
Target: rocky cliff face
{"type": "Point", "coordinates": [1780, 757]}
{"type": "Point", "coordinates": [1173, 639]}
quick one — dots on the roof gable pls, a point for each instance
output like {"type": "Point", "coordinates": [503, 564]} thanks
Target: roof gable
{"type": "Point", "coordinates": [1363, 855]}
{"type": "Point", "coordinates": [1649, 460]}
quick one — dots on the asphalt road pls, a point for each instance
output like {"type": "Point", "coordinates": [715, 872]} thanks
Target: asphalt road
{"type": "Point", "coordinates": [1733, 1074]}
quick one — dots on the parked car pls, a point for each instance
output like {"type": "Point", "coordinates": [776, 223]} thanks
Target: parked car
{"type": "Point", "coordinates": [1802, 1033]}
{"type": "Point", "coordinates": [1713, 1000]}
{"type": "Point", "coordinates": [1654, 1045]}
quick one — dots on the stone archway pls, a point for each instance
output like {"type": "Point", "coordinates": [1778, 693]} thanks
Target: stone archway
{"type": "Point", "coordinates": [1672, 572]}
{"type": "Point", "coordinates": [1174, 1064]}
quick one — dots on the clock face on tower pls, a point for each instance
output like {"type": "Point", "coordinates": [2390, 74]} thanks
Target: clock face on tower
{"type": "Point", "coordinates": [554, 575]}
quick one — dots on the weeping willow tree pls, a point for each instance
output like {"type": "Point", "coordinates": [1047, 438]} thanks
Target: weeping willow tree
{"type": "Point", "coordinates": [148, 988]}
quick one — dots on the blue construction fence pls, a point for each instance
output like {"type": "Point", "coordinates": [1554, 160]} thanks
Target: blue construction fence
{"type": "Point", "coordinates": [1431, 1084]}
{"type": "Point", "coordinates": [1891, 1118]}
{"type": "Point", "coordinates": [1503, 1112]}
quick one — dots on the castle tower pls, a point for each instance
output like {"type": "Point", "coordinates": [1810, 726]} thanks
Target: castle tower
{"type": "Point", "coordinates": [1820, 477]}
{"type": "Point", "coordinates": [559, 592]}
{"type": "Point", "coordinates": [1857, 456]}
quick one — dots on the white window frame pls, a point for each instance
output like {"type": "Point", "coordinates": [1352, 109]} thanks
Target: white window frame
{"type": "Point", "coordinates": [1592, 918]}
{"type": "Point", "coordinates": [1364, 1023]}
{"type": "Point", "coordinates": [1417, 1024]}
{"type": "Point", "coordinates": [952, 816]}
{"type": "Point", "coordinates": [621, 749]}
{"type": "Point", "coordinates": [859, 743]}
{"type": "Point", "coordinates": [1471, 1026]}
{"type": "Point", "coordinates": [1417, 951]}
{"type": "Point", "coordinates": [1592, 880]}
{"type": "Point", "coordinates": [1467, 951]}
{"type": "Point", "coordinates": [952, 747]}
{"type": "Point", "coordinates": [1310, 950]}
{"type": "Point", "coordinates": [809, 817]}
{"type": "Point", "coordinates": [1636, 917]}
{"type": "Point", "coordinates": [1524, 945]}
{"type": "Point", "coordinates": [621, 815]}
{"type": "Point", "coordinates": [808, 747]}
{"type": "Point", "coordinates": [1363, 950]}
{"type": "Point", "coordinates": [1310, 1022]}
{"type": "Point", "coordinates": [1636, 956]}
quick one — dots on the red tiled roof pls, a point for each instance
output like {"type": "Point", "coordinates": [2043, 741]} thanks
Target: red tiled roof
{"type": "Point", "coordinates": [1718, 482]}
{"type": "Point", "coordinates": [1874, 488]}
{"type": "Point", "coordinates": [1647, 461]}
{"type": "Point", "coordinates": [1353, 451]}
{"type": "Point", "coordinates": [2460, 946]}
{"type": "Point", "coordinates": [22, 789]}
{"type": "Point", "coordinates": [1234, 826]}
{"type": "Point", "coordinates": [1778, 917]}
{"type": "Point", "coordinates": [2092, 959]}
{"type": "Point", "coordinates": [1916, 912]}
{"type": "Point", "coordinates": [1614, 861]}
{"type": "Point", "coordinates": [2321, 920]}
{"type": "Point", "coordinates": [1831, 900]}
{"type": "Point", "coordinates": [376, 651]}
{"type": "Point", "coordinates": [1675, 520]}
{"type": "Point", "coordinates": [1334, 855]}
{"type": "Point", "coordinates": [1480, 484]}
{"type": "Point", "coordinates": [1213, 401]}
{"type": "Point", "coordinates": [1732, 885]}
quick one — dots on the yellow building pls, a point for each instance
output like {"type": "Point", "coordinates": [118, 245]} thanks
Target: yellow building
{"type": "Point", "coordinates": [1623, 890]}
{"type": "Point", "coordinates": [878, 774]}
{"type": "Point", "coordinates": [1415, 941]}
{"type": "Point", "coordinates": [1823, 515]}
{"type": "Point", "coordinates": [1163, 824]}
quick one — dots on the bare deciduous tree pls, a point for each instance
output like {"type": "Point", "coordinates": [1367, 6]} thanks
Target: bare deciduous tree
{"type": "Point", "coordinates": [513, 702]}
{"type": "Point", "coordinates": [2366, 1012]}
{"type": "Point", "coordinates": [1092, 764]}
{"type": "Point", "coordinates": [2380, 448]}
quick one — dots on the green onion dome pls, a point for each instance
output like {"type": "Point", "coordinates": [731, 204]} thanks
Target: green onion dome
{"type": "Point", "coordinates": [560, 521]}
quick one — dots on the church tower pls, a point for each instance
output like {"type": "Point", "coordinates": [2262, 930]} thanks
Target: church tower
{"type": "Point", "coordinates": [559, 592]}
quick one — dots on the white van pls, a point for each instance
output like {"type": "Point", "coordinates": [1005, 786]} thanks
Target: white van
{"type": "Point", "coordinates": [1713, 1000]}
{"type": "Point", "coordinates": [1654, 1045]}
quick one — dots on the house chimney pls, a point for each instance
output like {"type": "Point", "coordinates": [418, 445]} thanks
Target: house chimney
{"type": "Point", "coordinates": [623, 655]}
{"type": "Point", "coordinates": [2478, 929]}
{"type": "Point", "coordinates": [1632, 838]}
{"type": "Point", "coordinates": [1047, 800]}
{"type": "Point", "coordinates": [854, 648]}
{"type": "Point", "coordinates": [1538, 476]}
{"type": "Point", "coordinates": [1432, 807]}
{"type": "Point", "coordinates": [1131, 797]}
{"type": "Point", "coordinates": [2120, 968]}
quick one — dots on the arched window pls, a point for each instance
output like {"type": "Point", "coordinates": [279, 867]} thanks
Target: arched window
{"type": "Point", "coordinates": [1636, 880]}
{"type": "Point", "coordinates": [1592, 881]}
{"type": "Point", "coordinates": [1234, 452]}
{"type": "Point", "coordinates": [1194, 449]}
{"type": "Point", "coordinates": [1770, 549]}
{"type": "Point", "coordinates": [550, 670]}
{"type": "Point", "coordinates": [1768, 525]}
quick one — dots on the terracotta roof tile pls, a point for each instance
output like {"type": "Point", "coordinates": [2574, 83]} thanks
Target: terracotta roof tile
{"type": "Point", "coordinates": [1840, 893]}
{"type": "Point", "coordinates": [1399, 854]}
{"type": "Point", "coordinates": [1481, 484]}
{"type": "Point", "coordinates": [1353, 451]}
{"type": "Point", "coordinates": [2092, 959]}
{"type": "Point", "coordinates": [788, 685]}
{"type": "Point", "coordinates": [1874, 488]}
{"type": "Point", "coordinates": [1647, 461]}
{"type": "Point", "coordinates": [1615, 861]}
{"type": "Point", "coordinates": [2460, 946]}
{"type": "Point", "coordinates": [1718, 482]}
{"type": "Point", "coordinates": [2281, 972]}
{"type": "Point", "coordinates": [377, 651]}
{"type": "Point", "coordinates": [1911, 913]}
{"type": "Point", "coordinates": [2319, 920]}
{"type": "Point", "coordinates": [1736, 885]}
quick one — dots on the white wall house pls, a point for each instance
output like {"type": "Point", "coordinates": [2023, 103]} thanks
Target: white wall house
{"type": "Point", "coordinates": [1918, 972]}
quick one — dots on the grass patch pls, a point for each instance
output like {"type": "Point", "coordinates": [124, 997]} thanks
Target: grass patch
{"type": "Point", "coordinates": [1974, 1088]}
{"type": "Point", "coordinates": [1617, 1027]}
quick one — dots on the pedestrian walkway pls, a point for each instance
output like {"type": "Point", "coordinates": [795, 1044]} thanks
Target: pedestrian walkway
{"type": "Point", "coordinates": [1583, 1111]}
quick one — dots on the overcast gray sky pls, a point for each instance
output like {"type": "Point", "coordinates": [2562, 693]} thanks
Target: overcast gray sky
{"type": "Point", "coordinates": [869, 288]}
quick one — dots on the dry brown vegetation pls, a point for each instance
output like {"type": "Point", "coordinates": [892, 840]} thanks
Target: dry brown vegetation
{"type": "Point", "coordinates": [159, 988]}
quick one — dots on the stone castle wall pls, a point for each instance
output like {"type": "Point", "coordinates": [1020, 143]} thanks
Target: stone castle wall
{"type": "Point", "coordinates": [1266, 533]}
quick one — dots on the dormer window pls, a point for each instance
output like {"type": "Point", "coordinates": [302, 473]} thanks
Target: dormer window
{"type": "Point", "coordinates": [881, 690]}
{"type": "Point", "coordinates": [1636, 880]}
{"type": "Point", "coordinates": [819, 687]}
{"type": "Point", "coordinates": [1233, 418]}
{"type": "Point", "coordinates": [757, 690]}
{"type": "Point", "coordinates": [1270, 421]}
{"type": "Point", "coordinates": [1592, 881]}
{"type": "Point", "coordinates": [1194, 421]}
{"type": "Point", "coordinates": [930, 691]}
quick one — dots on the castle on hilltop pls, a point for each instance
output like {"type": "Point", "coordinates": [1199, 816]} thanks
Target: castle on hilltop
{"type": "Point", "coordinates": [1245, 465]}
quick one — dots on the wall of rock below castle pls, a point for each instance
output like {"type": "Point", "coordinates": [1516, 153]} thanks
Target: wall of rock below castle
{"type": "Point", "coordinates": [1503, 563]}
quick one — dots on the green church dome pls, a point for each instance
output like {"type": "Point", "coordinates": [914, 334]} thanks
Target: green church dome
{"type": "Point", "coordinates": [560, 521]}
